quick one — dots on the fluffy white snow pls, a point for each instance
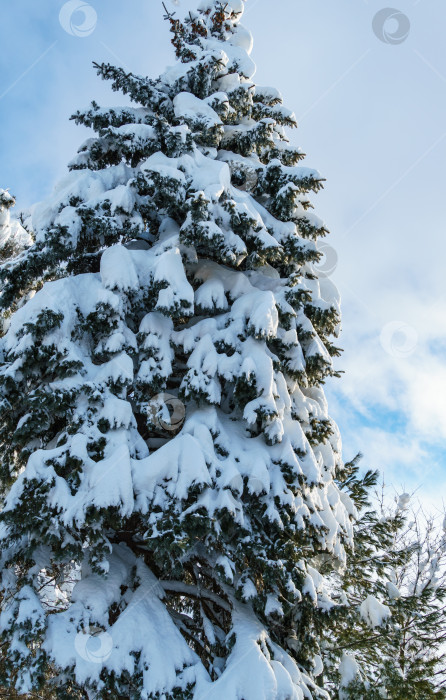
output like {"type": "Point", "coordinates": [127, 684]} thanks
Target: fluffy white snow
{"type": "Point", "coordinates": [12, 232]}
{"type": "Point", "coordinates": [373, 612]}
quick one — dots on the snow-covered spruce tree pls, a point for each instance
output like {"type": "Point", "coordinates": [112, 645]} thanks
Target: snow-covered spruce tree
{"type": "Point", "coordinates": [390, 629]}
{"type": "Point", "coordinates": [174, 266]}
{"type": "Point", "coordinates": [13, 237]}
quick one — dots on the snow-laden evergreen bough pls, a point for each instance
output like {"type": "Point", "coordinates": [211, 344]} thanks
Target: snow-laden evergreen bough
{"type": "Point", "coordinates": [390, 630]}
{"type": "Point", "coordinates": [166, 445]}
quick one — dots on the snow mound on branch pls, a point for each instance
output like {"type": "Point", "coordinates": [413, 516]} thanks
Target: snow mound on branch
{"type": "Point", "coordinates": [12, 233]}
{"type": "Point", "coordinates": [144, 626]}
{"type": "Point", "coordinates": [392, 591]}
{"type": "Point", "coordinates": [404, 501]}
{"type": "Point", "coordinates": [267, 671]}
{"type": "Point", "coordinates": [243, 38]}
{"type": "Point", "coordinates": [190, 107]}
{"type": "Point", "coordinates": [373, 612]}
{"type": "Point", "coordinates": [348, 670]}
{"type": "Point", "coordinates": [117, 269]}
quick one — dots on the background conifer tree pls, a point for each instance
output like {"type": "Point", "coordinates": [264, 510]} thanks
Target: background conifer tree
{"type": "Point", "coordinates": [390, 627]}
{"type": "Point", "coordinates": [166, 446]}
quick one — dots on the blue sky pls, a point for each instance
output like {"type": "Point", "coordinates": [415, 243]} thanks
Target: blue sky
{"type": "Point", "coordinates": [371, 119]}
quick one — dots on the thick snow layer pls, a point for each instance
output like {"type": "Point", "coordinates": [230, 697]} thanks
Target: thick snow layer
{"type": "Point", "coordinates": [264, 676]}
{"type": "Point", "coordinates": [373, 612]}
{"type": "Point", "coordinates": [392, 591]}
{"type": "Point", "coordinates": [191, 108]}
{"type": "Point", "coordinates": [144, 638]}
{"type": "Point", "coordinates": [117, 269]}
{"type": "Point", "coordinates": [235, 55]}
{"type": "Point", "coordinates": [243, 38]}
{"type": "Point", "coordinates": [348, 669]}
{"type": "Point", "coordinates": [12, 233]}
